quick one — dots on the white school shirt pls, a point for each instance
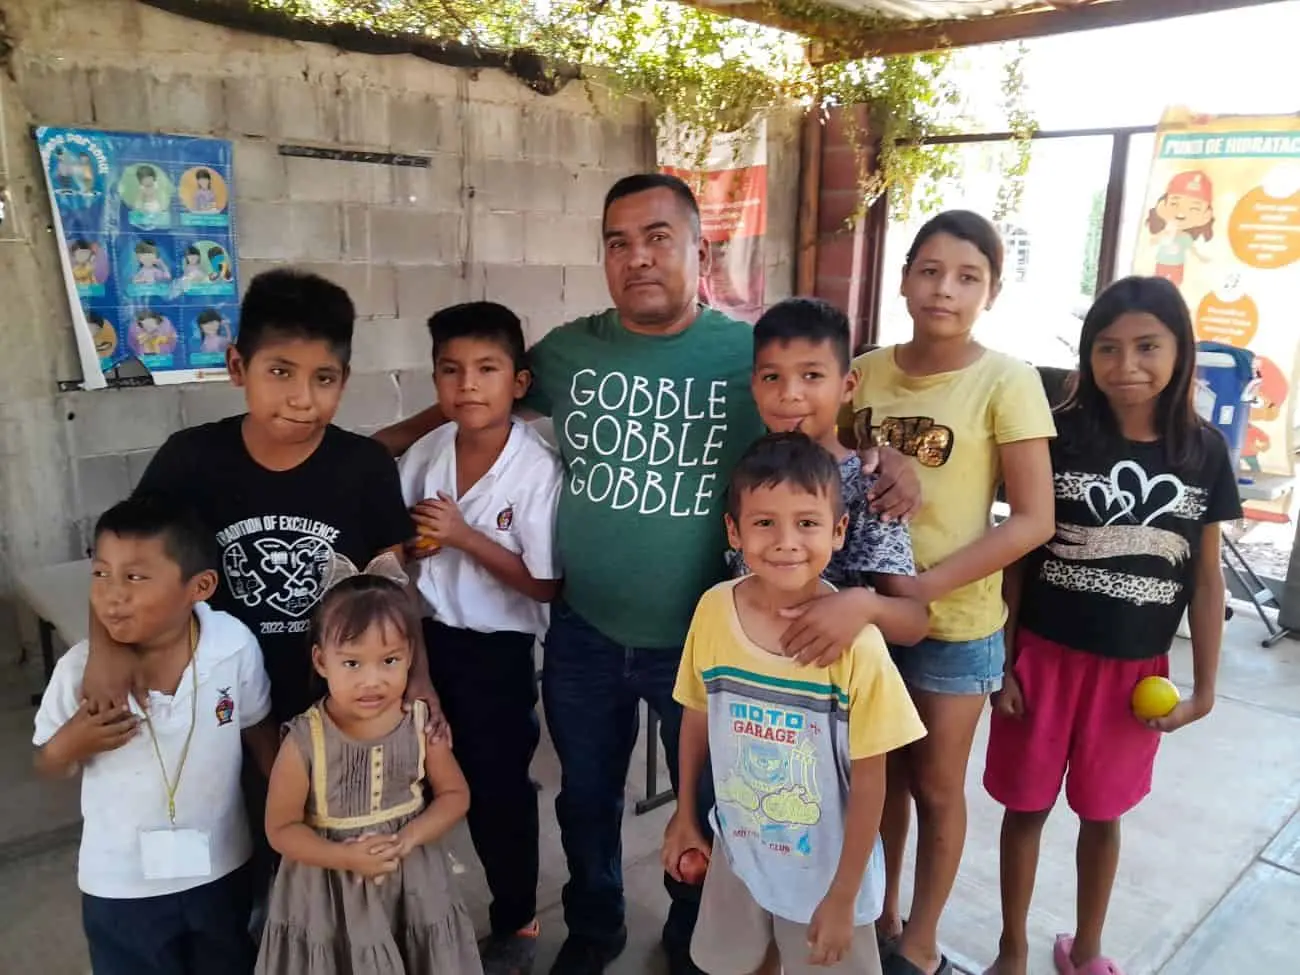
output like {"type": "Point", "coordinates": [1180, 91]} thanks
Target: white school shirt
{"type": "Point", "coordinates": [513, 504]}
{"type": "Point", "coordinates": [122, 791]}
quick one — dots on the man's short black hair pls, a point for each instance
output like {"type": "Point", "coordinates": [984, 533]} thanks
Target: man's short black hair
{"type": "Point", "coordinates": [186, 539]}
{"type": "Point", "coordinates": [643, 182]}
{"type": "Point", "coordinates": [485, 320]}
{"type": "Point", "coordinates": [290, 304]}
{"type": "Point", "coordinates": [786, 458]}
{"type": "Point", "coordinates": [804, 318]}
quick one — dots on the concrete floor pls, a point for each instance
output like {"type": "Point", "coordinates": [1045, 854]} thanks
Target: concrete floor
{"type": "Point", "coordinates": [1209, 878]}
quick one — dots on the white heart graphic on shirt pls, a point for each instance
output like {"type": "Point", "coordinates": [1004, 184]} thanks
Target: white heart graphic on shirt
{"type": "Point", "coordinates": [1115, 493]}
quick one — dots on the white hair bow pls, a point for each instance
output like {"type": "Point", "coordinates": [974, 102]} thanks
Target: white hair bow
{"type": "Point", "coordinates": [385, 566]}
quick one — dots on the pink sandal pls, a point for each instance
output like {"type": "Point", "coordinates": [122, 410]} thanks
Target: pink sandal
{"type": "Point", "coordinates": [1064, 966]}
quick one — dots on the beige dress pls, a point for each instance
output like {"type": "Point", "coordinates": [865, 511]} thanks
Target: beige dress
{"type": "Point", "coordinates": [323, 922]}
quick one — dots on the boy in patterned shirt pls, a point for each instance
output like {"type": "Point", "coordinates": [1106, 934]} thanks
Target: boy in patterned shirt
{"type": "Point", "coordinates": [802, 379]}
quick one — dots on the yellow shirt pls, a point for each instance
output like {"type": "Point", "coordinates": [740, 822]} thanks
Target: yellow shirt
{"type": "Point", "coordinates": [782, 739]}
{"type": "Point", "coordinates": [953, 424]}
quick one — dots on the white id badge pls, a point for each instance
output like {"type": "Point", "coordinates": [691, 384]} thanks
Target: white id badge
{"type": "Point", "coordinates": [175, 854]}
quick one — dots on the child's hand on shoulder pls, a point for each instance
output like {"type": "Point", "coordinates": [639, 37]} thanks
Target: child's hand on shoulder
{"type": "Point", "coordinates": [1184, 713]}
{"type": "Point", "coordinates": [830, 933]}
{"type": "Point", "coordinates": [682, 834]}
{"type": "Point", "coordinates": [440, 519]}
{"type": "Point", "coordinates": [88, 733]}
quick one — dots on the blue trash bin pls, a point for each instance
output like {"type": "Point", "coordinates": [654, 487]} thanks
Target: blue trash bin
{"type": "Point", "coordinates": [1225, 387]}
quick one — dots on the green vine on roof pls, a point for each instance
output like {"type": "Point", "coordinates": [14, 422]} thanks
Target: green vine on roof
{"type": "Point", "coordinates": [709, 72]}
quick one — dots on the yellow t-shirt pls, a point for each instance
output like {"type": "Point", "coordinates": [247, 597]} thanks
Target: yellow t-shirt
{"type": "Point", "coordinates": [953, 424]}
{"type": "Point", "coordinates": [781, 742]}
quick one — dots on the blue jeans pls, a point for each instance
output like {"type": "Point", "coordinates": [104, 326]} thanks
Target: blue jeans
{"type": "Point", "coordinates": [944, 667]}
{"type": "Point", "coordinates": [590, 690]}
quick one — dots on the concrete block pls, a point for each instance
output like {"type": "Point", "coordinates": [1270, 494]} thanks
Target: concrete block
{"type": "Point", "coordinates": [334, 181]}
{"type": "Point", "coordinates": [249, 269]}
{"type": "Point", "coordinates": [186, 104]}
{"type": "Point", "coordinates": [115, 421]}
{"type": "Point", "coordinates": [260, 172]}
{"type": "Point", "coordinates": [585, 290]}
{"type": "Point", "coordinates": [580, 139]}
{"type": "Point", "coordinates": [373, 287]}
{"type": "Point", "coordinates": [542, 135]}
{"type": "Point", "coordinates": [291, 231]}
{"type": "Point", "coordinates": [208, 402]}
{"type": "Point", "coordinates": [497, 238]}
{"type": "Point", "coordinates": [363, 117]}
{"type": "Point", "coordinates": [120, 99]}
{"type": "Point", "coordinates": [420, 123]}
{"type": "Point", "coordinates": [626, 149]}
{"type": "Point", "coordinates": [495, 131]}
{"type": "Point", "coordinates": [439, 186]}
{"type": "Point", "coordinates": [102, 482]}
{"type": "Point", "coordinates": [584, 192]}
{"type": "Point", "coordinates": [399, 236]}
{"type": "Point", "coordinates": [56, 95]}
{"type": "Point", "coordinates": [423, 290]}
{"type": "Point", "coordinates": [137, 462]}
{"type": "Point", "coordinates": [248, 106]}
{"type": "Point", "coordinates": [390, 345]}
{"type": "Point", "coordinates": [561, 239]}
{"type": "Point", "coordinates": [533, 292]}
{"type": "Point", "coordinates": [370, 401]}
{"type": "Point", "coordinates": [506, 184]}
{"type": "Point", "coordinates": [415, 386]}
{"type": "Point", "coordinates": [304, 111]}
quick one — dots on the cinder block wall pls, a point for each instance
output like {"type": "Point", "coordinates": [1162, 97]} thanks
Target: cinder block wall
{"type": "Point", "coordinates": [508, 209]}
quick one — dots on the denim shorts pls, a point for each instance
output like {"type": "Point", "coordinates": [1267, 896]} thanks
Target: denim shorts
{"type": "Point", "coordinates": [942, 667]}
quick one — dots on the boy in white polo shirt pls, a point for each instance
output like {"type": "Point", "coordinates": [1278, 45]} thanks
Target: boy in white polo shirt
{"type": "Point", "coordinates": [483, 490]}
{"type": "Point", "coordinates": [165, 842]}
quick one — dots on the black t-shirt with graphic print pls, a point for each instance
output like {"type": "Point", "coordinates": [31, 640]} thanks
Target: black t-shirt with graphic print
{"type": "Point", "coordinates": [277, 530]}
{"type": "Point", "coordinates": [1117, 576]}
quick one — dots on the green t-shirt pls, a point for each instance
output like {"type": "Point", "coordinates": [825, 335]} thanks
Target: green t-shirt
{"type": "Point", "coordinates": [649, 428]}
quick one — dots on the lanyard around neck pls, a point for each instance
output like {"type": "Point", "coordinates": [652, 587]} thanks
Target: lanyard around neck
{"type": "Point", "coordinates": [170, 785]}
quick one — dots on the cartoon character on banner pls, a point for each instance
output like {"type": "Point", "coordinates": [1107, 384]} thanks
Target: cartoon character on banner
{"type": "Point", "coordinates": [1183, 214]}
{"type": "Point", "coordinates": [214, 332]}
{"type": "Point", "coordinates": [193, 271]}
{"type": "Point", "coordinates": [152, 334]}
{"type": "Point", "coordinates": [149, 198]}
{"type": "Point", "coordinates": [219, 261]}
{"type": "Point", "coordinates": [205, 197]}
{"type": "Point", "coordinates": [83, 254]}
{"type": "Point", "coordinates": [102, 333]}
{"type": "Point", "coordinates": [1271, 391]}
{"type": "Point", "coordinates": [150, 267]}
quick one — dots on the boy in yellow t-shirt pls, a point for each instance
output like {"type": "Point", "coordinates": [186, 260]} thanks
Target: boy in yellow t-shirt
{"type": "Point", "coordinates": [796, 876]}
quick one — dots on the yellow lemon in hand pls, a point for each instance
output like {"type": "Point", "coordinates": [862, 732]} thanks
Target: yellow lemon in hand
{"type": "Point", "coordinates": [1154, 697]}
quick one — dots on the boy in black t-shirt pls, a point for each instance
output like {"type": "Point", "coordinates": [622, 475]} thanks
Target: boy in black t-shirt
{"type": "Point", "coordinates": [282, 488]}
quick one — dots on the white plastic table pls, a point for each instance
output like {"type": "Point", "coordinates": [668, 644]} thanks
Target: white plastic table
{"type": "Point", "coordinates": [59, 595]}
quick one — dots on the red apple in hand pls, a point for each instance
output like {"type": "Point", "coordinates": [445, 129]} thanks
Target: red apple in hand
{"type": "Point", "coordinates": [692, 866]}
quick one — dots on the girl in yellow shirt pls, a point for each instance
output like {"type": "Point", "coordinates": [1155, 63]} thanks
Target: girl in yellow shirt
{"type": "Point", "coordinates": [973, 419]}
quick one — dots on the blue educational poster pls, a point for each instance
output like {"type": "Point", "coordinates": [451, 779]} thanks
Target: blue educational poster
{"type": "Point", "coordinates": [146, 229]}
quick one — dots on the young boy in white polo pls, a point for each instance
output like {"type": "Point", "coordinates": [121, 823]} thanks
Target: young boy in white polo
{"type": "Point", "coordinates": [165, 845]}
{"type": "Point", "coordinates": [484, 489]}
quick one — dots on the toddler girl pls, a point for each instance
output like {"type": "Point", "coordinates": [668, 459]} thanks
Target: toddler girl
{"type": "Point", "coordinates": [1141, 485]}
{"type": "Point", "coordinates": [364, 886]}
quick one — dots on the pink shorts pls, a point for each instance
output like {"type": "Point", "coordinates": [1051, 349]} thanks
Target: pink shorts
{"type": "Point", "coordinates": [1078, 728]}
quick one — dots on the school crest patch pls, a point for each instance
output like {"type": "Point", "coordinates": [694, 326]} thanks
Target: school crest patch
{"type": "Point", "coordinates": [506, 518]}
{"type": "Point", "coordinates": [225, 706]}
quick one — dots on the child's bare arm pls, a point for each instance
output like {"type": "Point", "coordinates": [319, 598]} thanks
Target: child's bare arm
{"type": "Point", "coordinates": [290, 836]}
{"type": "Point", "coordinates": [830, 933]}
{"type": "Point", "coordinates": [903, 620]}
{"type": "Point", "coordinates": [450, 799]}
{"type": "Point", "coordinates": [82, 737]}
{"type": "Point", "coordinates": [1205, 618]}
{"type": "Point", "coordinates": [262, 741]}
{"type": "Point", "coordinates": [683, 832]}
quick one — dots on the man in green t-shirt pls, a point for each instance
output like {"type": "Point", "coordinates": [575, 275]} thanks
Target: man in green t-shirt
{"type": "Point", "coordinates": [652, 408]}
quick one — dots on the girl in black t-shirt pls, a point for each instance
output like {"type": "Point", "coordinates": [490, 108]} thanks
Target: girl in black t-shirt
{"type": "Point", "coordinates": [1141, 484]}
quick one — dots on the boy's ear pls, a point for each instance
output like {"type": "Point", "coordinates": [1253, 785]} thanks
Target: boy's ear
{"type": "Point", "coordinates": [733, 533]}
{"type": "Point", "coordinates": [236, 366]}
{"type": "Point", "coordinates": [523, 381]}
{"type": "Point", "coordinates": [203, 586]}
{"type": "Point", "coordinates": [850, 385]}
{"type": "Point", "coordinates": [318, 660]}
{"type": "Point", "coordinates": [841, 531]}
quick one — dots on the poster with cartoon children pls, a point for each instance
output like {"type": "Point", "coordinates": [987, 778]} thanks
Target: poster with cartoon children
{"type": "Point", "coordinates": [1221, 220]}
{"type": "Point", "coordinates": [146, 230]}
